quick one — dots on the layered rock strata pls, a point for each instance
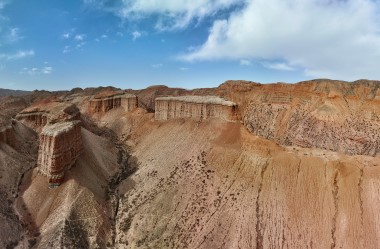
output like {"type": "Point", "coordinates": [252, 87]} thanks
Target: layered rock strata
{"type": "Point", "coordinates": [60, 146]}
{"type": "Point", "coordinates": [41, 114]}
{"type": "Point", "coordinates": [106, 102]}
{"type": "Point", "coordinates": [196, 107]}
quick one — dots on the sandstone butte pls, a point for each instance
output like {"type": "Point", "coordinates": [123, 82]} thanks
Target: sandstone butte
{"type": "Point", "coordinates": [195, 107]}
{"type": "Point", "coordinates": [60, 146]}
{"type": "Point", "coordinates": [300, 170]}
{"type": "Point", "coordinates": [108, 100]}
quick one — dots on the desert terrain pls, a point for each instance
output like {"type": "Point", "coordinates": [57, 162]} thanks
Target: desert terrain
{"type": "Point", "coordinates": [288, 166]}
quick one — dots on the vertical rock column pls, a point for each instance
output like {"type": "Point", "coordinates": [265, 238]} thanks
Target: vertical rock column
{"type": "Point", "coordinates": [129, 102]}
{"type": "Point", "coordinates": [60, 146]}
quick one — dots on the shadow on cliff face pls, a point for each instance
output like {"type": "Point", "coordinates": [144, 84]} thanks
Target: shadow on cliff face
{"type": "Point", "coordinates": [95, 178]}
{"type": "Point", "coordinates": [25, 155]}
{"type": "Point", "coordinates": [117, 166]}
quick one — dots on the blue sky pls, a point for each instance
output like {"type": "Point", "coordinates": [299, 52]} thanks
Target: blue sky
{"type": "Point", "coordinates": [55, 44]}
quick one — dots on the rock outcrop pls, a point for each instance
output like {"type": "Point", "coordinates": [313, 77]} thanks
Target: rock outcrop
{"type": "Point", "coordinates": [7, 135]}
{"type": "Point", "coordinates": [60, 146]}
{"type": "Point", "coordinates": [333, 115]}
{"type": "Point", "coordinates": [107, 101]}
{"type": "Point", "coordinates": [39, 115]}
{"type": "Point", "coordinates": [195, 107]}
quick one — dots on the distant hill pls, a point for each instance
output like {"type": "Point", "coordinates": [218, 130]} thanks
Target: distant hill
{"type": "Point", "coordinates": [7, 92]}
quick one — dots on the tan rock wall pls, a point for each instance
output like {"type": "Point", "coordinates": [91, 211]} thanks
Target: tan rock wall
{"type": "Point", "coordinates": [128, 102]}
{"type": "Point", "coordinates": [60, 146]}
{"type": "Point", "coordinates": [39, 115]}
{"type": "Point", "coordinates": [36, 118]}
{"type": "Point", "coordinates": [7, 135]}
{"type": "Point", "coordinates": [172, 109]}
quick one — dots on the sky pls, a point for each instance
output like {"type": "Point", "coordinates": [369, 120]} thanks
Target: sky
{"type": "Point", "coordinates": [59, 45]}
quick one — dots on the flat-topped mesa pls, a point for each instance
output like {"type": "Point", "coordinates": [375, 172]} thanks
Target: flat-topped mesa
{"type": "Point", "coordinates": [106, 101]}
{"type": "Point", "coordinates": [39, 115]}
{"type": "Point", "coordinates": [60, 146]}
{"type": "Point", "coordinates": [7, 135]}
{"type": "Point", "coordinates": [195, 107]}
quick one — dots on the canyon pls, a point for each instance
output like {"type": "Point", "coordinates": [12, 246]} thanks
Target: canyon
{"type": "Point", "coordinates": [241, 165]}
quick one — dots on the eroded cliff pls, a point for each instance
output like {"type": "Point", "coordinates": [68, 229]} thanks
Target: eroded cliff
{"type": "Point", "coordinates": [7, 135]}
{"type": "Point", "coordinates": [60, 146]}
{"type": "Point", "coordinates": [39, 114]}
{"type": "Point", "coordinates": [195, 107]}
{"type": "Point", "coordinates": [325, 114]}
{"type": "Point", "coordinates": [106, 101]}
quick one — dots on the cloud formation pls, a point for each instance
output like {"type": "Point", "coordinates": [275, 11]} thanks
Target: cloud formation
{"type": "Point", "coordinates": [324, 38]}
{"type": "Point", "coordinates": [171, 14]}
{"type": "Point", "coordinates": [37, 71]}
{"type": "Point", "coordinates": [76, 41]}
{"type": "Point", "coordinates": [157, 65]}
{"type": "Point", "coordinates": [135, 35]}
{"type": "Point", "coordinates": [18, 55]}
{"type": "Point", "coordinates": [244, 62]}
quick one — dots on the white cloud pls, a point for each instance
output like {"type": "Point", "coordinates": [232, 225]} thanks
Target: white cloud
{"type": "Point", "coordinates": [104, 36]}
{"type": "Point", "coordinates": [172, 14]}
{"type": "Point", "coordinates": [325, 38]}
{"type": "Point", "coordinates": [3, 3]}
{"type": "Point", "coordinates": [80, 37]}
{"type": "Point", "coordinates": [135, 35]}
{"type": "Point", "coordinates": [119, 34]}
{"type": "Point", "coordinates": [66, 35]}
{"type": "Point", "coordinates": [66, 49]}
{"type": "Point", "coordinates": [80, 45]}
{"type": "Point", "coordinates": [14, 35]}
{"type": "Point", "coordinates": [8, 35]}
{"type": "Point", "coordinates": [157, 65]}
{"type": "Point", "coordinates": [244, 62]}
{"type": "Point", "coordinates": [278, 66]}
{"type": "Point", "coordinates": [184, 68]}
{"type": "Point", "coordinates": [18, 55]}
{"type": "Point", "coordinates": [37, 71]}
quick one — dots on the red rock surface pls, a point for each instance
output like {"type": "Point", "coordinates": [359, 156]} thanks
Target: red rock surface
{"type": "Point", "coordinates": [215, 184]}
{"type": "Point", "coordinates": [195, 107]}
{"type": "Point", "coordinates": [325, 114]}
{"type": "Point", "coordinates": [60, 146]}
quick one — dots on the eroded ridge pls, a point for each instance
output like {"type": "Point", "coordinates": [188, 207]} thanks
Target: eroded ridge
{"type": "Point", "coordinates": [106, 102]}
{"type": "Point", "coordinates": [39, 115]}
{"type": "Point", "coordinates": [197, 107]}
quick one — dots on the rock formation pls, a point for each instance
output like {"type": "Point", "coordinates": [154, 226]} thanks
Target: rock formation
{"type": "Point", "coordinates": [40, 114]}
{"type": "Point", "coordinates": [60, 146]}
{"type": "Point", "coordinates": [106, 101]}
{"type": "Point", "coordinates": [333, 115]}
{"type": "Point", "coordinates": [196, 107]}
{"type": "Point", "coordinates": [7, 135]}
